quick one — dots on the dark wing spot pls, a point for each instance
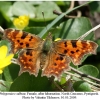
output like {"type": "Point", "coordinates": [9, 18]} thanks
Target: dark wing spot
{"type": "Point", "coordinates": [77, 50]}
{"type": "Point", "coordinates": [24, 35]}
{"type": "Point", "coordinates": [65, 44]}
{"type": "Point", "coordinates": [31, 38]}
{"type": "Point", "coordinates": [18, 40]}
{"type": "Point", "coordinates": [27, 45]}
{"type": "Point", "coordinates": [72, 52]}
{"type": "Point", "coordinates": [30, 60]}
{"type": "Point", "coordinates": [61, 58]}
{"type": "Point", "coordinates": [21, 43]}
{"type": "Point", "coordinates": [65, 51]}
{"type": "Point", "coordinates": [57, 58]}
{"type": "Point", "coordinates": [55, 64]}
{"type": "Point", "coordinates": [27, 52]}
{"type": "Point", "coordinates": [74, 43]}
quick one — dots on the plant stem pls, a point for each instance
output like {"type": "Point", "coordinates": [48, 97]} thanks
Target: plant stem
{"type": "Point", "coordinates": [95, 84]}
{"type": "Point", "coordinates": [66, 16]}
{"type": "Point", "coordinates": [87, 33]}
{"type": "Point", "coordinates": [87, 76]}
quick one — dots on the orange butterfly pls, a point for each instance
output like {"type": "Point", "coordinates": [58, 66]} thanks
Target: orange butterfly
{"type": "Point", "coordinates": [52, 57]}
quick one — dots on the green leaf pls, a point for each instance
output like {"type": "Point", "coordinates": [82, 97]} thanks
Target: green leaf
{"type": "Point", "coordinates": [35, 2]}
{"type": "Point", "coordinates": [95, 6]}
{"type": "Point", "coordinates": [0, 76]}
{"type": "Point", "coordinates": [5, 42]}
{"type": "Point", "coordinates": [4, 85]}
{"type": "Point", "coordinates": [11, 72]}
{"type": "Point", "coordinates": [63, 3]}
{"type": "Point", "coordinates": [74, 28]}
{"type": "Point", "coordinates": [5, 8]}
{"type": "Point", "coordinates": [89, 70]}
{"type": "Point", "coordinates": [34, 30]}
{"type": "Point", "coordinates": [37, 30]}
{"type": "Point", "coordinates": [63, 79]}
{"type": "Point", "coordinates": [2, 18]}
{"type": "Point", "coordinates": [23, 8]}
{"type": "Point", "coordinates": [82, 86]}
{"type": "Point", "coordinates": [26, 82]}
{"type": "Point", "coordinates": [48, 14]}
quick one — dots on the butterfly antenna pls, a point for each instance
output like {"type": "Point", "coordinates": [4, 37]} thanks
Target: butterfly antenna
{"type": "Point", "coordinates": [50, 33]}
{"type": "Point", "coordinates": [44, 20]}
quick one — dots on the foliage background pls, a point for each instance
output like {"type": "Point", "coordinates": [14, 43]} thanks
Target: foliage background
{"type": "Point", "coordinates": [86, 17]}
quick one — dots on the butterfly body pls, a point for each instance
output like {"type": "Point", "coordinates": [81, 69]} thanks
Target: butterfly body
{"type": "Point", "coordinates": [52, 57]}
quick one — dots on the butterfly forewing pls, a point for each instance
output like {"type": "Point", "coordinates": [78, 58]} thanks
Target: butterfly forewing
{"type": "Point", "coordinates": [21, 40]}
{"type": "Point", "coordinates": [75, 49]}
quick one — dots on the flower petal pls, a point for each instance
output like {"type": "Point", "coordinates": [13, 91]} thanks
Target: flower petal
{"type": "Point", "coordinates": [3, 52]}
{"type": "Point", "coordinates": [21, 22]}
{"type": "Point", "coordinates": [9, 57]}
{"type": "Point", "coordinates": [6, 61]}
{"type": "Point", "coordinates": [57, 39]}
{"type": "Point", "coordinates": [6, 64]}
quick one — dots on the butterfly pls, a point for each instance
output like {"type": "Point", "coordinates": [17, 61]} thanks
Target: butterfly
{"type": "Point", "coordinates": [53, 57]}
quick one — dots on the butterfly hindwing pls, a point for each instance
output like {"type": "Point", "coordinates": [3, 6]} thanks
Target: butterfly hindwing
{"type": "Point", "coordinates": [29, 61]}
{"type": "Point", "coordinates": [56, 65]}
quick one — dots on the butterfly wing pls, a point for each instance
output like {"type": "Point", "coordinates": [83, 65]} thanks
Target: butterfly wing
{"type": "Point", "coordinates": [29, 61]}
{"type": "Point", "coordinates": [55, 65]}
{"type": "Point", "coordinates": [75, 49]}
{"type": "Point", "coordinates": [21, 40]}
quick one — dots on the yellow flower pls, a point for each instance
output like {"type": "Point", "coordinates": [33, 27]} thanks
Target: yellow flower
{"type": "Point", "coordinates": [4, 59]}
{"type": "Point", "coordinates": [21, 22]}
{"type": "Point", "coordinates": [57, 39]}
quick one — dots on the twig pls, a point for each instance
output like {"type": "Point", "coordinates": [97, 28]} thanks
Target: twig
{"type": "Point", "coordinates": [71, 5]}
{"type": "Point", "coordinates": [79, 13]}
{"type": "Point", "coordinates": [87, 76]}
{"type": "Point", "coordinates": [1, 29]}
{"type": "Point", "coordinates": [83, 79]}
{"type": "Point", "coordinates": [58, 86]}
{"type": "Point", "coordinates": [66, 16]}
{"type": "Point", "coordinates": [87, 33]}
{"type": "Point", "coordinates": [95, 88]}
{"type": "Point", "coordinates": [14, 61]}
{"type": "Point", "coordinates": [3, 85]}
